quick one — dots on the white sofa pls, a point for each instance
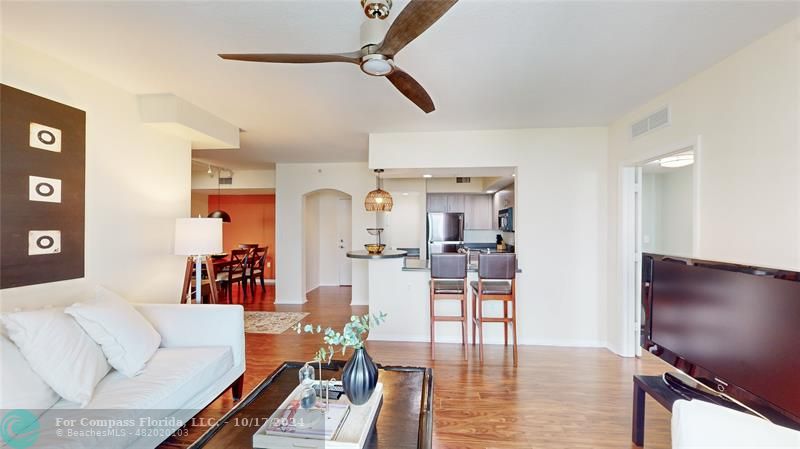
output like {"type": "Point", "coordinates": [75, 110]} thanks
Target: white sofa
{"type": "Point", "coordinates": [702, 425]}
{"type": "Point", "coordinates": [200, 357]}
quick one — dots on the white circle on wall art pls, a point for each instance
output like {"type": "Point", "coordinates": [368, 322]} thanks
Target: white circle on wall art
{"type": "Point", "coordinates": [44, 242]}
{"type": "Point", "coordinates": [47, 190]}
{"type": "Point", "coordinates": [45, 137]}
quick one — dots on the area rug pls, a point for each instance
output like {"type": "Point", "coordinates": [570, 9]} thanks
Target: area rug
{"type": "Point", "coordinates": [271, 322]}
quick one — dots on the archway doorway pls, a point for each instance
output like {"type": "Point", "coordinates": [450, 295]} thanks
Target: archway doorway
{"type": "Point", "coordinates": [327, 233]}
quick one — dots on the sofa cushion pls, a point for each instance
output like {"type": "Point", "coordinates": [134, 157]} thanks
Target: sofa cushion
{"type": "Point", "coordinates": [58, 350]}
{"type": "Point", "coordinates": [20, 386]}
{"type": "Point", "coordinates": [172, 378]}
{"type": "Point", "coordinates": [128, 340]}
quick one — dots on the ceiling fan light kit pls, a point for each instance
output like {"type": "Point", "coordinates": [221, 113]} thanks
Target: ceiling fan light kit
{"type": "Point", "coordinates": [376, 65]}
{"type": "Point", "coordinates": [379, 47]}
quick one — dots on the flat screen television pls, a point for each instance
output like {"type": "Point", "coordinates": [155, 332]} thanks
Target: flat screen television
{"type": "Point", "coordinates": [734, 328]}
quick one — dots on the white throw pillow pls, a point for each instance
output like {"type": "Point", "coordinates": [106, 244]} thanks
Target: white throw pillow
{"type": "Point", "coordinates": [59, 351]}
{"type": "Point", "coordinates": [20, 387]}
{"type": "Point", "coordinates": [127, 338]}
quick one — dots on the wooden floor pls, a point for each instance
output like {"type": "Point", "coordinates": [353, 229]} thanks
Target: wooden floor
{"type": "Point", "coordinates": [557, 397]}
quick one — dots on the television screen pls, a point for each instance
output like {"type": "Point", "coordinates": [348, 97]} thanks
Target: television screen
{"type": "Point", "coordinates": [743, 328]}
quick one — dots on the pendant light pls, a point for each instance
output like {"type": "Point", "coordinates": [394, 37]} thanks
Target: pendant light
{"type": "Point", "coordinates": [378, 200]}
{"type": "Point", "coordinates": [219, 213]}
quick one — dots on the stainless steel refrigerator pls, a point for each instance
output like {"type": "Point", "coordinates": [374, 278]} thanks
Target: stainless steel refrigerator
{"type": "Point", "coordinates": [445, 232]}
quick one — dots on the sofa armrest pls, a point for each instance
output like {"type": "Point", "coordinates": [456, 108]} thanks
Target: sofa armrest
{"type": "Point", "coordinates": [701, 425]}
{"type": "Point", "coordinates": [198, 325]}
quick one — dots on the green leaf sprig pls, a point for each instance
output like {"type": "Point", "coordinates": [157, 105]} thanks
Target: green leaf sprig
{"type": "Point", "coordinates": [352, 335]}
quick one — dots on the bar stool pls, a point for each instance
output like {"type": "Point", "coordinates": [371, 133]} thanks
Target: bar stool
{"type": "Point", "coordinates": [448, 281]}
{"type": "Point", "coordinates": [496, 276]}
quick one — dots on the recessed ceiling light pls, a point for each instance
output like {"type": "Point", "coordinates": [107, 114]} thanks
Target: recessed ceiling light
{"type": "Point", "coordinates": [427, 176]}
{"type": "Point", "coordinates": [681, 160]}
{"type": "Point", "coordinates": [405, 193]}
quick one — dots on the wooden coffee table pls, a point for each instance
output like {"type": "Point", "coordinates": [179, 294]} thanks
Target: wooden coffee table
{"type": "Point", "coordinates": [405, 419]}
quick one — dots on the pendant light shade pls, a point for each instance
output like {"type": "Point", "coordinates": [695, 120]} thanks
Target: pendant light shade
{"type": "Point", "coordinates": [219, 213]}
{"type": "Point", "coordinates": [378, 200]}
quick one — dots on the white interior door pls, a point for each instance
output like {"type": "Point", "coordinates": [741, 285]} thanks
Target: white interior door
{"type": "Point", "coordinates": [344, 232]}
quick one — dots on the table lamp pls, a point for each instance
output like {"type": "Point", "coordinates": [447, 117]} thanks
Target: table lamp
{"type": "Point", "coordinates": [198, 238]}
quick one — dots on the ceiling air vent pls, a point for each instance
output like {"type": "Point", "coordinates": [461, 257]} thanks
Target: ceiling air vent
{"type": "Point", "coordinates": [653, 121]}
{"type": "Point", "coordinates": [463, 180]}
{"type": "Point", "coordinates": [226, 181]}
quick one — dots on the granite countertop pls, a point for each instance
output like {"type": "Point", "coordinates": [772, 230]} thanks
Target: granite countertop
{"type": "Point", "coordinates": [416, 264]}
{"type": "Point", "coordinates": [386, 254]}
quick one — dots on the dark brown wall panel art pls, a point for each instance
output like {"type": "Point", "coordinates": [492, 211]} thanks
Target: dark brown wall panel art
{"type": "Point", "coordinates": [42, 177]}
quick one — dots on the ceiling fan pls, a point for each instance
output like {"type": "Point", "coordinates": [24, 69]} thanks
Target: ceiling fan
{"type": "Point", "coordinates": [379, 46]}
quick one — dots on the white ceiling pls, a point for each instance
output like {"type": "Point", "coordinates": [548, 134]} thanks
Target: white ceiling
{"type": "Point", "coordinates": [486, 64]}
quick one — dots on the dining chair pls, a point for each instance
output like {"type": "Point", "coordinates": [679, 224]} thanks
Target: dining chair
{"type": "Point", "coordinates": [448, 281]}
{"type": "Point", "coordinates": [496, 281]}
{"type": "Point", "coordinates": [235, 272]}
{"type": "Point", "coordinates": [256, 269]}
{"type": "Point", "coordinates": [250, 246]}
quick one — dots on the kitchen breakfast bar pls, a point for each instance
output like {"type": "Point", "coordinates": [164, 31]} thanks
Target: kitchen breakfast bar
{"type": "Point", "coordinates": [399, 287]}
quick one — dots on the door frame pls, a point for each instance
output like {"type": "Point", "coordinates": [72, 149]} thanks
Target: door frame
{"type": "Point", "coordinates": [630, 232]}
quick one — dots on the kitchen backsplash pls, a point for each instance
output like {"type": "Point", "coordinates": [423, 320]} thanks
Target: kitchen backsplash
{"type": "Point", "coordinates": [487, 236]}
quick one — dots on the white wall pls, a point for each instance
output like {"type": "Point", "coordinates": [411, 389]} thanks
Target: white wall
{"type": "Point", "coordinates": [449, 185]}
{"type": "Point", "coordinates": [311, 243]}
{"type": "Point", "coordinates": [560, 238]}
{"type": "Point", "coordinates": [321, 234]}
{"type": "Point", "coordinates": [651, 213]}
{"type": "Point", "coordinates": [745, 111]}
{"type": "Point", "coordinates": [668, 212]}
{"type": "Point", "coordinates": [677, 214]}
{"type": "Point", "coordinates": [199, 204]}
{"type": "Point", "coordinates": [292, 182]}
{"type": "Point", "coordinates": [137, 183]}
{"type": "Point", "coordinates": [242, 179]}
{"type": "Point", "coordinates": [406, 223]}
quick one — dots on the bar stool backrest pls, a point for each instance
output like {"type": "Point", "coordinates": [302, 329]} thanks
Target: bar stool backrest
{"type": "Point", "coordinates": [497, 266]}
{"type": "Point", "coordinates": [448, 266]}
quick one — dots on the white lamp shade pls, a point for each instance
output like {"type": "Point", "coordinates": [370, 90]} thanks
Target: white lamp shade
{"type": "Point", "coordinates": [198, 236]}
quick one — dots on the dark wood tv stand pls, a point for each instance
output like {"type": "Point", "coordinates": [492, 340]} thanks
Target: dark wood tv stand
{"type": "Point", "coordinates": [664, 395]}
{"type": "Point", "coordinates": [658, 390]}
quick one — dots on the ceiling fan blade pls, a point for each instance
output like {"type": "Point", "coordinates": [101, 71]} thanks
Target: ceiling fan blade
{"type": "Point", "coordinates": [413, 20]}
{"type": "Point", "coordinates": [352, 57]}
{"type": "Point", "coordinates": [413, 90]}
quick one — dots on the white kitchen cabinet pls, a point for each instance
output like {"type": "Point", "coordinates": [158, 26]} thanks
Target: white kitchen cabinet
{"type": "Point", "coordinates": [456, 202]}
{"type": "Point", "coordinates": [437, 202]}
{"type": "Point", "coordinates": [477, 208]}
{"type": "Point", "coordinates": [479, 212]}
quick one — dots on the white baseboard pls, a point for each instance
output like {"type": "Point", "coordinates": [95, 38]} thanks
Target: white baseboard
{"type": "Point", "coordinates": [289, 301]}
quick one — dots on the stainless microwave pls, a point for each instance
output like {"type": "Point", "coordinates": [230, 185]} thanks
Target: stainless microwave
{"type": "Point", "coordinates": [505, 219]}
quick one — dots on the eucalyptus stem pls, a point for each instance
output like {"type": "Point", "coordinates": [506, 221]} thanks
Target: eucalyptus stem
{"type": "Point", "coordinates": [352, 335]}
